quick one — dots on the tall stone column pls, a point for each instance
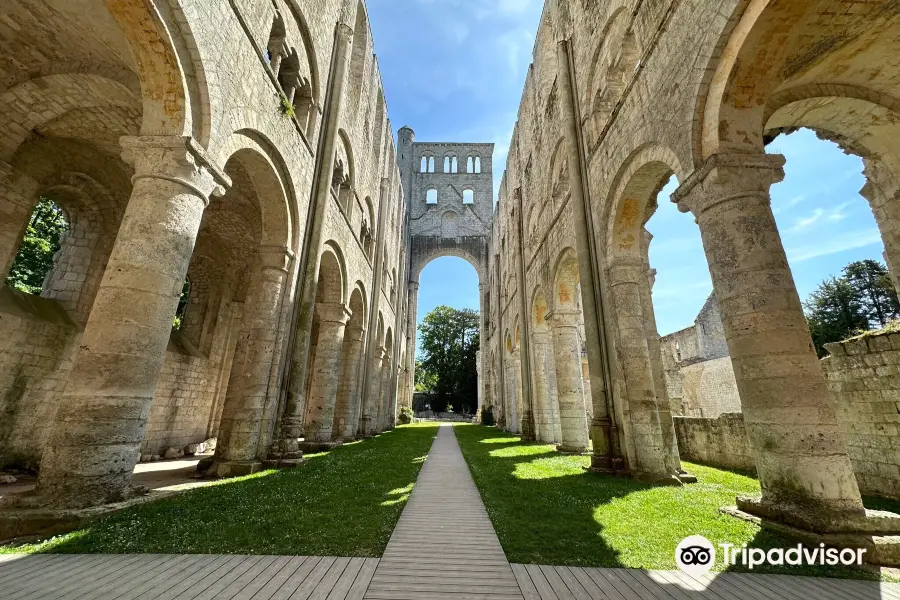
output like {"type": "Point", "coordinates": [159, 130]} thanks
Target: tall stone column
{"type": "Point", "coordinates": [369, 421]}
{"type": "Point", "coordinates": [512, 385]}
{"type": "Point", "coordinates": [411, 316]}
{"type": "Point", "coordinates": [801, 455]}
{"type": "Point", "coordinates": [292, 413]}
{"type": "Point", "coordinates": [567, 358]}
{"type": "Point", "coordinates": [663, 405]}
{"type": "Point", "coordinates": [243, 420]}
{"type": "Point", "coordinates": [346, 418]}
{"type": "Point", "coordinates": [626, 275]}
{"type": "Point", "coordinates": [543, 411]}
{"type": "Point", "coordinates": [523, 412]}
{"type": "Point", "coordinates": [326, 371]}
{"type": "Point", "coordinates": [98, 429]}
{"type": "Point", "coordinates": [384, 395]}
{"type": "Point", "coordinates": [18, 197]}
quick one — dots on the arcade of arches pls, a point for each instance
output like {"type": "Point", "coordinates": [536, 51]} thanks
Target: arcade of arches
{"type": "Point", "coordinates": [302, 229]}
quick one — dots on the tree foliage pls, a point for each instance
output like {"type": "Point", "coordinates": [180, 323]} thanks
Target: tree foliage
{"type": "Point", "coordinates": [862, 298]}
{"type": "Point", "coordinates": [447, 367]}
{"type": "Point", "coordinates": [41, 242]}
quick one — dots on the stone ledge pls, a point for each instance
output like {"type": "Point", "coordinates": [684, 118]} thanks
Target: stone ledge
{"type": "Point", "coordinates": [881, 550]}
{"type": "Point", "coordinates": [25, 522]}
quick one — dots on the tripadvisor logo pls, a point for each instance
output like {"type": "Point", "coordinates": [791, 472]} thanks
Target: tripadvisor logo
{"type": "Point", "coordinates": [696, 555]}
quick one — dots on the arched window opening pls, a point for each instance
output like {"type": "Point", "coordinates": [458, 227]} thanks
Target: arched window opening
{"type": "Point", "coordinates": [468, 197]}
{"type": "Point", "coordinates": [275, 49]}
{"type": "Point", "coordinates": [367, 233]}
{"type": "Point", "coordinates": [182, 304]}
{"type": "Point", "coordinates": [42, 241]}
{"type": "Point", "coordinates": [340, 184]}
{"type": "Point", "coordinates": [470, 165]}
{"type": "Point", "coordinates": [454, 165]}
{"type": "Point", "coordinates": [478, 164]}
{"type": "Point", "coordinates": [431, 164]}
{"type": "Point", "coordinates": [446, 164]}
{"type": "Point", "coordinates": [424, 167]}
{"type": "Point", "coordinates": [431, 197]}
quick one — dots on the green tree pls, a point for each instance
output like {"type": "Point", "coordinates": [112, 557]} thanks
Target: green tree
{"type": "Point", "coordinates": [449, 344]}
{"type": "Point", "coordinates": [41, 242]}
{"type": "Point", "coordinates": [834, 313]}
{"type": "Point", "coordinates": [874, 290]}
{"type": "Point", "coordinates": [426, 380]}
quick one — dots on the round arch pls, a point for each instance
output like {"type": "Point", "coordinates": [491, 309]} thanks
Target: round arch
{"type": "Point", "coordinates": [422, 261]}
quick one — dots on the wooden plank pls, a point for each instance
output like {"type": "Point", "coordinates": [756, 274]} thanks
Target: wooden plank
{"type": "Point", "coordinates": [171, 575]}
{"type": "Point", "coordinates": [23, 565]}
{"type": "Point", "coordinates": [245, 586]}
{"type": "Point", "coordinates": [228, 585]}
{"type": "Point", "coordinates": [540, 583]}
{"type": "Point", "coordinates": [297, 578]}
{"type": "Point", "coordinates": [315, 578]}
{"type": "Point", "coordinates": [361, 583]}
{"type": "Point", "coordinates": [142, 570]}
{"type": "Point", "coordinates": [173, 589]}
{"type": "Point", "coordinates": [525, 584]}
{"type": "Point", "coordinates": [590, 585]}
{"type": "Point", "coordinates": [87, 584]}
{"type": "Point", "coordinates": [556, 583]}
{"type": "Point", "coordinates": [323, 590]}
{"type": "Point", "coordinates": [345, 582]}
{"type": "Point", "coordinates": [52, 578]}
{"type": "Point", "coordinates": [576, 590]}
{"type": "Point", "coordinates": [277, 581]}
{"type": "Point", "coordinates": [607, 580]}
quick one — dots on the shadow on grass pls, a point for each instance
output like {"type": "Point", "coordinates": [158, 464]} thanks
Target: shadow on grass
{"type": "Point", "coordinates": [547, 509]}
{"type": "Point", "coordinates": [345, 502]}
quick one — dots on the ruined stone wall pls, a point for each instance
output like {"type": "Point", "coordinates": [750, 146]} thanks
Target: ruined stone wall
{"type": "Point", "coordinates": [864, 377]}
{"type": "Point", "coordinates": [709, 389]}
{"type": "Point", "coordinates": [718, 442]}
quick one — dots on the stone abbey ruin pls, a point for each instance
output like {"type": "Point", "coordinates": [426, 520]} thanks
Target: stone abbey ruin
{"type": "Point", "coordinates": [246, 148]}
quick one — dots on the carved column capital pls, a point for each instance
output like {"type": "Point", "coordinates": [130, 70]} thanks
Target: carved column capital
{"type": "Point", "coordinates": [276, 258]}
{"type": "Point", "coordinates": [728, 177]}
{"type": "Point", "coordinates": [332, 312]}
{"type": "Point", "coordinates": [174, 158]}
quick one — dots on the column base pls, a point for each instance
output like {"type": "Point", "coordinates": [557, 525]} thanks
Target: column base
{"type": "Point", "coordinates": [230, 468]}
{"type": "Point", "coordinates": [882, 548]}
{"type": "Point", "coordinates": [687, 477]}
{"type": "Point", "coordinates": [283, 463]}
{"type": "Point", "coordinates": [877, 522]}
{"type": "Point", "coordinates": [575, 450]}
{"type": "Point", "coordinates": [311, 446]}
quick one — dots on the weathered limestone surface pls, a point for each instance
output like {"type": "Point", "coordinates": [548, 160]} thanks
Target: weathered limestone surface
{"type": "Point", "coordinates": [719, 442]}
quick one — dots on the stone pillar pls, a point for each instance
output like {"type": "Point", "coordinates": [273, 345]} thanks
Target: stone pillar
{"type": "Point", "coordinates": [523, 413]}
{"type": "Point", "coordinates": [512, 409]}
{"type": "Point", "coordinates": [413, 306]}
{"type": "Point", "coordinates": [243, 420]}
{"type": "Point", "coordinates": [326, 371]}
{"type": "Point", "coordinates": [543, 403]}
{"type": "Point", "coordinates": [98, 429]}
{"type": "Point", "coordinates": [567, 358]}
{"type": "Point", "coordinates": [663, 405]}
{"type": "Point", "coordinates": [347, 410]}
{"type": "Point", "coordinates": [626, 276]}
{"type": "Point", "coordinates": [292, 413]}
{"type": "Point", "coordinates": [384, 394]}
{"type": "Point", "coordinates": [18, 197]}
{"type": "Point", "coordinates": [369, 421]}
{"type": "Point", "coordinates": [801, 455]}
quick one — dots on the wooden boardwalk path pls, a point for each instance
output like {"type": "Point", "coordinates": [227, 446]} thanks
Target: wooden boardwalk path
{"type": "Point", "coordinates": [444, 547]}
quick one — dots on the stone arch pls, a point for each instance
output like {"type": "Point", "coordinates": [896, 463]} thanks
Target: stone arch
{"type": "Point", "coordinates": [617, 51]}
{"type": "Point", "coordinates": [343, 178]}
{"type": "Point", "coordinates": [566, 281]}
{"type": "Point", "coordinates": [422, 261]}
{"type": "Point", "coordinates": [332, 278]}
{"type": "Point", "coordinates": [633, 197]}
{"type": "Point", "coordinates": [358, 58]}
{"type": "Point", "coordinates": [558, 182]}
{"type": "Point", "coordinates": [776, 46]}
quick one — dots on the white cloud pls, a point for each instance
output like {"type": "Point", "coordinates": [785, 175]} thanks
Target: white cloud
{"type": "Point", "coordinates": [846, 241]}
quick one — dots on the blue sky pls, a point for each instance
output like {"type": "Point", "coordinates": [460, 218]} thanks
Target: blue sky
{"type": "Point", "coordinates": [453, 70]}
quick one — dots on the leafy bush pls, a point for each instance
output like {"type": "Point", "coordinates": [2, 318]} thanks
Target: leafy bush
{"type": "Point", "coordinates": [487, 415]}
{"type": "Point", "coordinates": [406, 415]}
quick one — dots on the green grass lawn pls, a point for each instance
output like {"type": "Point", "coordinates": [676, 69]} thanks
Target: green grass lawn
{"type": "Point", "coordinates": [548, 510]}
{"type": "Point", "coordinates": [340, 503]}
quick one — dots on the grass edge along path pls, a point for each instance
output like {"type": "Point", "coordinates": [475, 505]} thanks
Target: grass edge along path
{"type": "Point", "coordinates": [344, 502]}
{"type": "Point", "coordinates": [547, 509]}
